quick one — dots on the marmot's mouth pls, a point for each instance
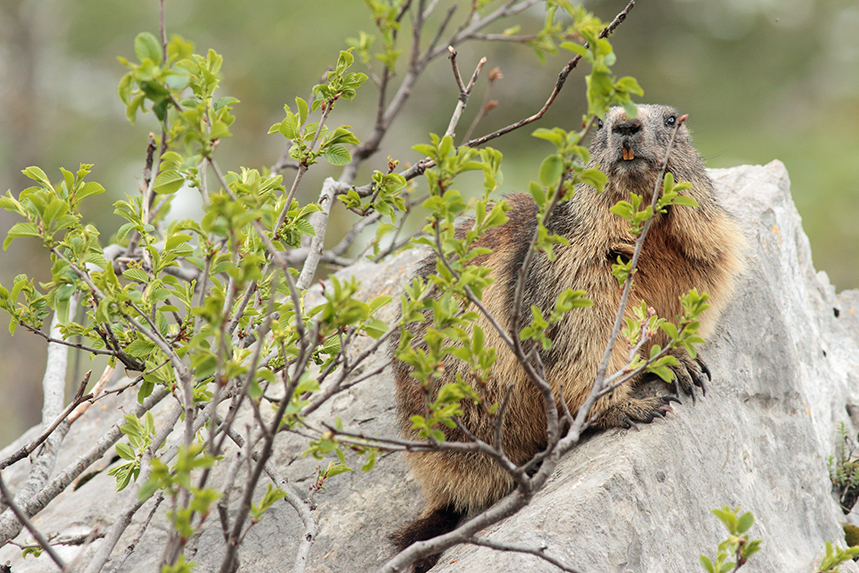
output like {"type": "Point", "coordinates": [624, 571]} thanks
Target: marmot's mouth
{"type": "Point", "coordinates": [628, 154]}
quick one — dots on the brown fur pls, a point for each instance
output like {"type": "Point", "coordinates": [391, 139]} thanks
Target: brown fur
{"type": "Point", "coordinates": [685, 248]}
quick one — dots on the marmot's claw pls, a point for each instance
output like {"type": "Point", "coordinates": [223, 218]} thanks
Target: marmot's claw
{"type": "Point", "coordinates": [699, 378]}
{"type": "Point", "coordinates": [637, 411]}
{"type": "Point", "coordinates": [700, 382]}
{"type": "Point", "coordinates": [690, 373]}
{"type": "Point", "coordinates": [677, 387]}
{"type": "Point", "coordinates": [704, 368]}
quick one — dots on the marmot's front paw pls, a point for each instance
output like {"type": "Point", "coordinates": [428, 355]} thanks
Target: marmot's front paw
{"type": "Point", "coordinates": [644, 410]}
{"type": "Point", "coordinates": [690, 373]}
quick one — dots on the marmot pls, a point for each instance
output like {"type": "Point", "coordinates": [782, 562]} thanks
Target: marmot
{"type": "Point", "coordinates": [688, 247]}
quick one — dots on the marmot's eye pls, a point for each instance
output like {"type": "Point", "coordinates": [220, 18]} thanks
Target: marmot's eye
{"type": "Point", "coordinates": [599, 123]}
{"type": "Point", "coordinates": [670, 121]}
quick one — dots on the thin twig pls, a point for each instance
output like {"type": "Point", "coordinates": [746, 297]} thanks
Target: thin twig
{"type": "Point", "coordinates": [581, 415]}
{"type": "Point", "coordinates": [562, 78]}
{"type": "Point", "coordinates": [293, 499]}
{"type": "Point", "coordinates": [418, 168]}
{"type": "Point", "coordinates": [94, 534]}
{"type": "Point", "coordinates": [514, 547]}
{"type": "Point", "coordinates": [131, 546]}
{"type": "Point", "coordinates": [25, 520]}
{"type": "Point", "coordinates": [31, 447]}
{"type": "Point", "coordinates": [464, 91]}
{"type": "Point", "coordinates": [486, 106]}
{"type": "Point", "coordinates": [62, 480]}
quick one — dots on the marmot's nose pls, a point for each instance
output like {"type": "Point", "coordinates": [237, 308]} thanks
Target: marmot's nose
{"type": "Point", "coordinates": [627, 128]}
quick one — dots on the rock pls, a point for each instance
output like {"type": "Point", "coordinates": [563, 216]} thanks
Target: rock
{"type": "Point", "coordinates": [784, 364]}
{"type": "Point", "coordinates": [784, 371]}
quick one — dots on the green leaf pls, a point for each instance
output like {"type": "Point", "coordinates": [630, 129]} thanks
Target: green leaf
{"type": "Point", "coordinates": [424, 149]}
{"type": "Point", "coordinates": [37, 174]}
{"type": "Point", "coordinates": [20, 230]}
{"type": "Point", "coordinates": [174, 241]}
{"type": "Point", "coordinates": [125, 451]}
{"type": "Point", "coordinates": [669, 329]}
{"type": "Point", "coordinates": [551, 170]}
{"type": "Point", "coordinates": [595, 178]}
{"type": "Point", "coordinates": [56, 208]}
{"type": "Point", "coordinates": [147, 46]}
{"type": "Point", "coordinates": [622, 209]}
{"type": "Point", "coordinates": [629, 85]}
{"type": "Point", "coordinates": [289, 126]}
{"type": "Point", "coordinates": [168, 182]}
{"type": "Point", "coordinates": [337, 155]}
{"type": "Point", "coordinates": [224, 102]}
{"type": "Point", "coordinates": [375, 327]}
{"type": "Point", "coordinates": [538, 194]}
{"type": "Point", "coordinates": [343, 135]}
{"type": "Point", "coordinates": [371, 461]}
{"type": "Point", "coordinates": [745, 522]}
{"type": "Point", "coordinates": [577, 48]}
{"type": "Point", "coordinates": [136, 275]}
{"type": "Point", "coordinates": [685, 200]}
{"type": "Point", "coordinates": [91, 188]}
{"type": "Point", "coordinates": [728, 517]}
{"type": "Point", "coordinates": [336, 469]}
{"type": "Point", "coordinates": [303, 110]}
{"type": "Point", "coordinates": [554, 135]}
{"type": "Point", "coordinates": [668, 182]}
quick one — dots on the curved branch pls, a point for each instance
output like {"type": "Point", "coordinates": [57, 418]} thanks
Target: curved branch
{"type": "Point", "coordinates": [536, 551]}
{"type": "Point", "coordinates": [599, 382]}
{"type": "Point", "coordinates": [28, 449]}
{"type": "Point", "coordinates": [562, 78]}
{"type": "Point", "coordinates": [319, 220]}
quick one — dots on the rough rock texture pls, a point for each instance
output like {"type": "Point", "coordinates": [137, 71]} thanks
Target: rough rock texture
{"type": "Point", "coordinates": [785, 365]}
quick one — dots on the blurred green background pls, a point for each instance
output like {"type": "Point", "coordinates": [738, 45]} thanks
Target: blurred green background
{"type": "Point", "coordinates": [760, 80]}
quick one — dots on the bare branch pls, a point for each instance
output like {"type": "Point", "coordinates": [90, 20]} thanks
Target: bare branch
{"type": "Point", "coordinates": [319, 220]}
{"type": "Point", "coordinates": [151, 146]}
{"type": "Point", "coordinates": [52, 340]}
{"type": "Point", "coordinates": [501, 510]}
{"type": "Point", "coordinates": [293, 499]}
{"type": "Point", "coordinates": [302, 169]}
{"type": "Point", "coordinates": [464, 92]}
{"type": "Point", "coordinates": [58, 484]}
{"type": "Point", "coordinates": [418, 168]}
{"type": "Point", "coordinates": [131, 546]}
{"type": "Point", "coordinates": [53, 385]}
{"type": "Point", "coordinates": [486, 106]}
{"type": "Point", "coordinates": [24, 519]}
{"type": "Point", "coordinates": [536, 551]}
{"type": "Point", "coordinates": [230, 560]}
{"type": "Point", "coordinates": [31, 447]}
{"type": "Point", "coordinates": [284, 163]}
{"type": "Point", "coordinates": [562, 78]}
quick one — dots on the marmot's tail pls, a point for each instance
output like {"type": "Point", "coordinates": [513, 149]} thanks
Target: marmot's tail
{"type": "Point", "coordinates": [437, 523]}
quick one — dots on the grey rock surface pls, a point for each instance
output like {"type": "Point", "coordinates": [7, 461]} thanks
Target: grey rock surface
{"type": "Point", "coordinates": [785, 364]}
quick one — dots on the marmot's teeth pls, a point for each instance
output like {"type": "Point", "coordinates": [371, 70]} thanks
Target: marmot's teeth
{"type": "Point", "coordinates": [628, 154]}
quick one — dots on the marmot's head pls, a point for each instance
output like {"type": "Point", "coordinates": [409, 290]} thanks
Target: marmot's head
{"type": "Point", "coordinates": [633, 149]}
